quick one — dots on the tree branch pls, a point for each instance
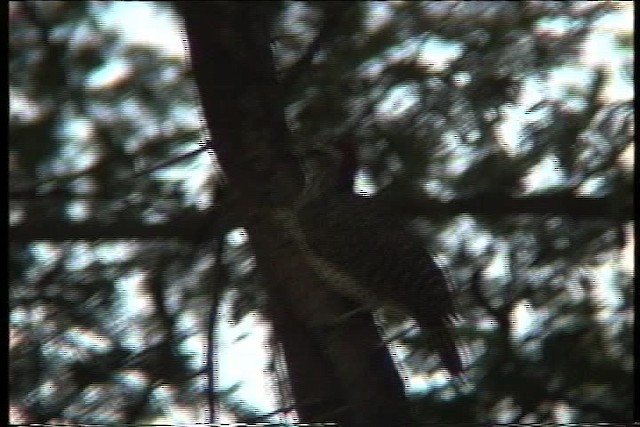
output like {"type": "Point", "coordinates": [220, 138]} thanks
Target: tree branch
{"type": "Point", "coordinates": [189, 227]}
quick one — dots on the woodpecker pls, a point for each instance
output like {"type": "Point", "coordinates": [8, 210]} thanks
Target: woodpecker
{"type": "Point", "coordinates": [362, 238]}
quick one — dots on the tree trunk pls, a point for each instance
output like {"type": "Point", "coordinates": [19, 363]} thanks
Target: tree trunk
{"type": "Point", "coordinates": [339, 362]}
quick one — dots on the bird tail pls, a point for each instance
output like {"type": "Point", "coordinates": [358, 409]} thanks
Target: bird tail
{"type": "Point", "coordinates": [442, 341]}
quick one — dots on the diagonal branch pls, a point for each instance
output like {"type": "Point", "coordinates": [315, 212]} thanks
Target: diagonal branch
{"type": "Point", "coordinates": [335, 14]}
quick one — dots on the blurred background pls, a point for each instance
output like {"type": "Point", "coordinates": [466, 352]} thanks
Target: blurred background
{"type": "Point", "coordinates": [113, 269]}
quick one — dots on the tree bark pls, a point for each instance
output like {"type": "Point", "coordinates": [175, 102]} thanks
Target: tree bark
{"type": "Point", "coordinates": [229, 46]}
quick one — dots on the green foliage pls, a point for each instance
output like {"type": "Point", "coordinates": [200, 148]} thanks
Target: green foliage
{"type": "Point", "coordinates": [80, 351]}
